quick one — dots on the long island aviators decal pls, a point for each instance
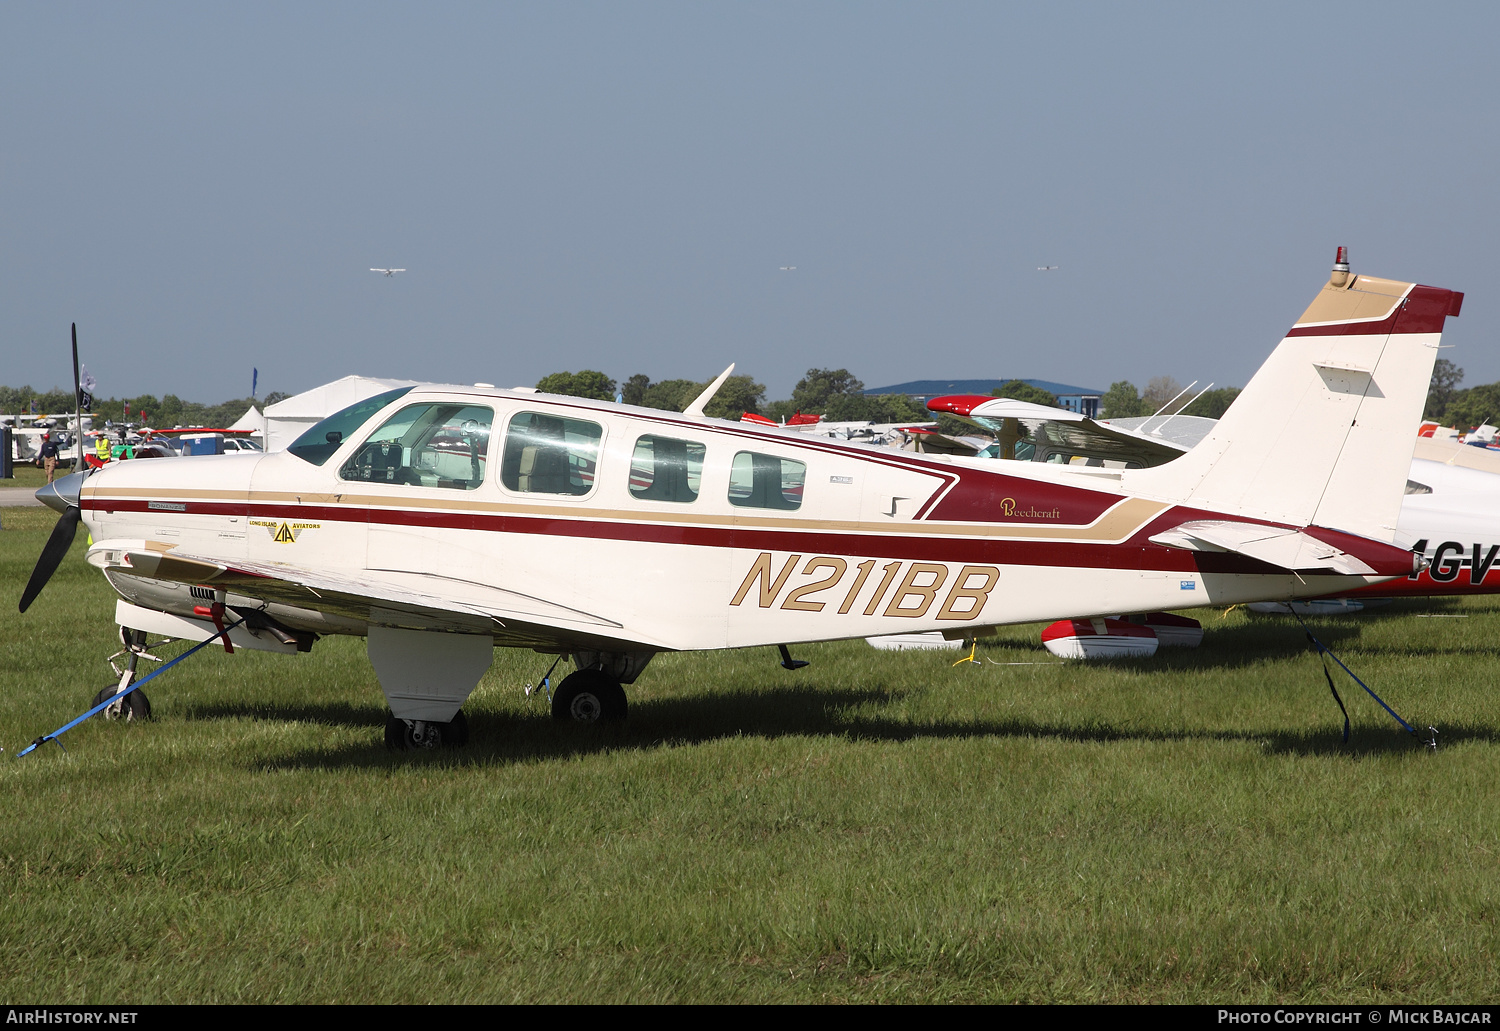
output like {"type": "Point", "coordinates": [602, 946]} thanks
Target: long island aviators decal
{"type": "Point", "coordinates": [284, 532]}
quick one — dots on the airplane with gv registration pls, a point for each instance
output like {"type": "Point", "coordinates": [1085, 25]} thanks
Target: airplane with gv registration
{"type": "Point", "coordinates": [440, 522]}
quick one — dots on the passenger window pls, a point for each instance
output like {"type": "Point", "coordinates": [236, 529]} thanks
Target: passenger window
{"type": "Point", "coordinates": [765, 481]}
{"type": "Point", "coordinates": [426, 445]}
{"type": "Point", "coordinates": [547, 454]}
{"type": "Point", "coordinates": [665, 469]}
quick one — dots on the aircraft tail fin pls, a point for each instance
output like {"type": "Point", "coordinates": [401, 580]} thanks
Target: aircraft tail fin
{"type": "Point", "coordinates": [1324, 433]}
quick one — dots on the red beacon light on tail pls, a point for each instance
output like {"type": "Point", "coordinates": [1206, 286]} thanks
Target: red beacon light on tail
{"type": "Point", "coordinates": [1340, 275]}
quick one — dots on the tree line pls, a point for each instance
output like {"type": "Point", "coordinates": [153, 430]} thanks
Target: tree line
{"type": "Point", "coordinates": [148, 409]}
{"type": "Point", "coordinates": [1164, 394]}
{"type": "Point", "coordinates": [838, 396]}
{"type": "Point", "coordinates": [835, 394]}
{"type": "Point", "coordinates": [1448, 405]}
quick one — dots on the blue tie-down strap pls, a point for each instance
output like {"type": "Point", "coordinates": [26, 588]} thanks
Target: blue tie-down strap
{"type": "Point", "coordinates": [1323, 649]}
{"type": "Point", "coordinates": [115, 698]}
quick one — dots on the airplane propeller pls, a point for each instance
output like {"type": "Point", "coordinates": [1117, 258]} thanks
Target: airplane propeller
{"type": "Point", "coordinates": [60, 496]}
{"type": "Point", "coordinates": [58, 544]}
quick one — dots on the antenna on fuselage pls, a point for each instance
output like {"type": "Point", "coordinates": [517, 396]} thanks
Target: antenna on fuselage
{"type": "Point", "coordinates": [696, 408]}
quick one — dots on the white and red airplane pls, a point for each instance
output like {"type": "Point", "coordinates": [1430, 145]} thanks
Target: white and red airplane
{"type": "Point", "coordinates": [440, 522]}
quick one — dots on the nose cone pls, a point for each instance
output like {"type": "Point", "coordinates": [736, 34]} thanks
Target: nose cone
{"type": "Point", "coordinates": [62, 494]}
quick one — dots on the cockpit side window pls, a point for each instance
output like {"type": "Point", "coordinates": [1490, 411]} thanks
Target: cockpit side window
{"type": "Point", "coordinates": [437, 444]}
{"type": "Point", "coordinates": [766, 481]}
{"type": "Point", "coordinates": [547, 454]}
{"type": "Point", "coordinates": [318, 444]}
{"type": "Point", "coordinates": [665, 469]}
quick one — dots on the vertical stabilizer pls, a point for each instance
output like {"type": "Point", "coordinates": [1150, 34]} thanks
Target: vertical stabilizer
{"type": "Point", "coordinates": [1324, 433]}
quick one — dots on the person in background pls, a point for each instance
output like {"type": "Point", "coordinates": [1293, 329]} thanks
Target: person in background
{"type": "Point", "coordinates": [49, 455]}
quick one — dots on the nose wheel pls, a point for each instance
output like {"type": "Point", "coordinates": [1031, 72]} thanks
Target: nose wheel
{"type": "Point", "coordinates": [589, 696]}
{"type": "Point", "coordinates": [413, 735]}
{"type": "Point", "coordinates": [135, 705]}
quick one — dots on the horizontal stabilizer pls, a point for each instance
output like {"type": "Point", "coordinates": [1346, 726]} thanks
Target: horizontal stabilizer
{"type": "Point", "coordinates": [1277, 545]}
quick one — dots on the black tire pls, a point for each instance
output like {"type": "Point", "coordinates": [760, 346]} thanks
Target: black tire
{"type": "Point", "coordinates": [134, 706]}
{"type": "Point", "coordinates": [454, 734]}
{"type": "Point", "coordinates": [589, 696]}
{"type": "Point", "coordinates": [396, 734]}
{"type": "Point", "coordinates": [137, 706]}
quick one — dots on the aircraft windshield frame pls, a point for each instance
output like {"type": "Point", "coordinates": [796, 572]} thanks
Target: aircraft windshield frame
{"type": "Point", "coordinates": [314, 446]}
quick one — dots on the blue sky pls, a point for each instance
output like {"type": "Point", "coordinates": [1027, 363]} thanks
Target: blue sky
{"type": "Point", "coordinates": [203, 187]}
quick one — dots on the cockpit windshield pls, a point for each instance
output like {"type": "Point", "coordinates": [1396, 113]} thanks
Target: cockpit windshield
{"type": "Point", "coordinates": [318, 444]}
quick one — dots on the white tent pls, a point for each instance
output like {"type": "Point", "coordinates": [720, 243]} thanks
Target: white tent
{"type": "Point", "coordinates": [253, 421]}
{"type": "Point", "coordinates": [286, 420]}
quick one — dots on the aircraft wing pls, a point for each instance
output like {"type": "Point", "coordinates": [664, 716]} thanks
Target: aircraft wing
{"type": "Point", "coordinates": [382, 597]}
{"type": "Point", "coordinates": [1102, 438]}
{"type": "Point", "coordinates": [1060, 426]}
{"type": "Point", "coordinates": [1294, 550]}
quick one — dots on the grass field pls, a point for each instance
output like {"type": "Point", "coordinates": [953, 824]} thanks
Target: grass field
{"type": "Point", "coordinates": [875, 827]}
{"type": "Point", "coordinates": [27, 475]}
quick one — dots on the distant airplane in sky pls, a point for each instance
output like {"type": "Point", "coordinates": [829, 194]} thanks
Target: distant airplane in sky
{"type": "Point", "coordinates": [1047, 268]}
{"type": "Point", "coordinates": [388, 271]}
{"type": "Point", "coordinates": [789, 268]}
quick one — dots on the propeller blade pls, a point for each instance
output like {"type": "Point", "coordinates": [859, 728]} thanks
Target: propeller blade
{"type": "Point", "coordinates": [52, 555]}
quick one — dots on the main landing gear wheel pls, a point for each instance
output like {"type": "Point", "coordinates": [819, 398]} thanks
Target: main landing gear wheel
{"type": "Point", "coordinates": [589, 696]}
{"type": "Point", "coordinates": [134, 706]}
{"type": "Point", "coordinates": [411, 735]}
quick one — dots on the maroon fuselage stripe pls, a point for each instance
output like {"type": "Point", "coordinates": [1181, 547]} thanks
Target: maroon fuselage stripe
{"type": "Point", "coordinates": [1138, 553]}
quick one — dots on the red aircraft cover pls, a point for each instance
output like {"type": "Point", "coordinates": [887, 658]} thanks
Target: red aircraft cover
{"type": "Point", "coordinates": [1098, 639]}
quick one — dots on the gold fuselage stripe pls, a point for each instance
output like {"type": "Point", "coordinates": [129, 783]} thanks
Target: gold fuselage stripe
{"type": "Point", "coordinates": [1116, 523]}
